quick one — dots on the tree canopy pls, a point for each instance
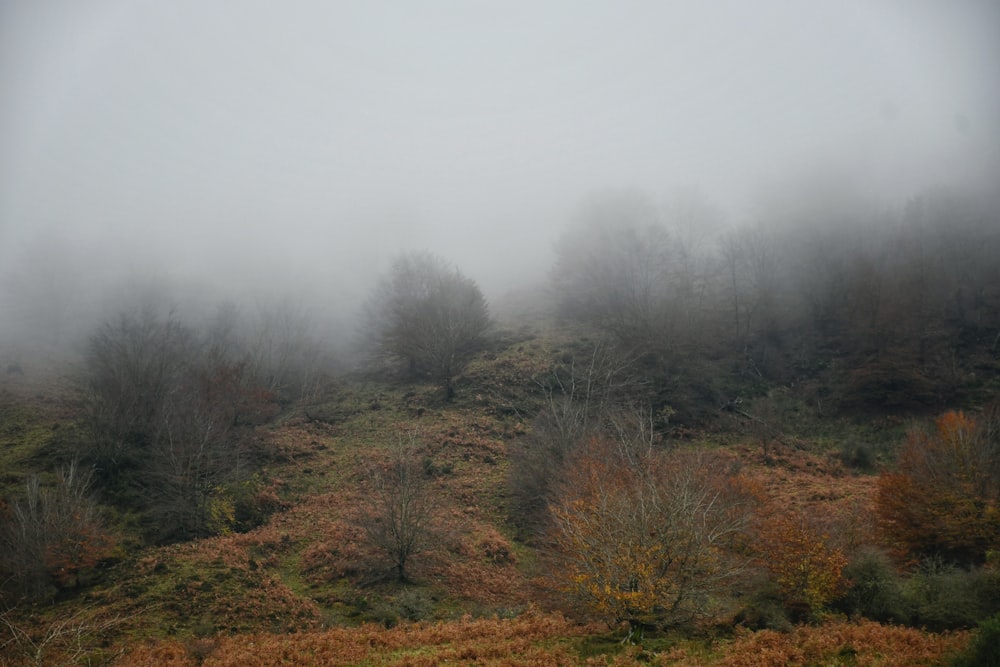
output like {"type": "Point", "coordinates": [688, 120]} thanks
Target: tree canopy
{"type": "Point", "coordinates": [428, 316]}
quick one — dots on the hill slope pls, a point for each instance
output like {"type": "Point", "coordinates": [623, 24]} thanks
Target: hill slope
{"type": "Point", "coordinates": [292, 588]}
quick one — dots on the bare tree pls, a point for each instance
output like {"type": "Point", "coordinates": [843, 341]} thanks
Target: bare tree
{"type": "Point", "coordinates": [132, 365]}
{"type": "Point", "coordinates": [693, 223]}
{"type": "Point", "coordinates": [196, 450]}
{"type": "Point", "coordinates": [285, 356]}
{"type": "Point", "coordinates": [428, 316]}
{"type": "Point", "coordinates": [614, 269]}
{"type": "Point", "coordinates": [733, 257]}
{"type": "Point", "coordinates": [169, 419]}
{"type": "Point", "coordinates": [650, 543]}
{"type": "Point", "coordinates": [53, 533]}
{"type": "Point", "coordinates": [584, 398]}
{"type": "Point", "coordinates": [401, 510]}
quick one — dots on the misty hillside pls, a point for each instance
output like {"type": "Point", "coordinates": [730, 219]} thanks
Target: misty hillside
{"type": "Point", "coordinates": [804, 414]}
{"type": "Point", "coordinates": [502, 334]}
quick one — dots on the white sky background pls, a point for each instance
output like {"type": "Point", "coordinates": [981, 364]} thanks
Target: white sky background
{"type": "Point", "coordinates": [252, 142]}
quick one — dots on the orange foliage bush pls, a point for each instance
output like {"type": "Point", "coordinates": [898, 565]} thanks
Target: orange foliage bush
{"type": "Point", "coordinates": [649, 541]}
{"type": "Point", "coordinates": [83, 544]}
{"type": "Point", "coordinates": [944, 497]}
{"type": "Point", "coordinates": [807, 516]}
{"type": "Point", "coordinates": [806, 568]}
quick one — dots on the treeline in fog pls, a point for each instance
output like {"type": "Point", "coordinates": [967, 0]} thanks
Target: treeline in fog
{"type": "Point", "coordinates": [897, 305]}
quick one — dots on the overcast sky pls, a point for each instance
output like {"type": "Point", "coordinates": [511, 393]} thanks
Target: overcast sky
{"type": "Point", "coordinates": [274, 140]}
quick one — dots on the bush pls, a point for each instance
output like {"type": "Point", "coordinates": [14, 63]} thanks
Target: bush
{"type": "Point", "coordinates": [411, 604]}
{"type": "Point", "coordinates": [652, 541]}
{"type": "Point", "coordinates": [254, 501]}
{"type": "Point", "coordinates": [984, 650]}
{"type": "Point", "coordinates": [859, 457]}
{"type": "Point", "coordinates": [806, 567]}
{"type": "Point", "coordinates": [943, 500]}
{"type": "Point", "coordinates": [875, 590]}
{"type": "Point", "coordinates": [427, 316]}
{"type": "Point", "coordinates": [764, 611]}
{"type": "Point", "coordinates": [943, 597]}
{"type": "Point", "coordinates": [52, 534]}
{"type": "Point", "coordinates": [414, 604]}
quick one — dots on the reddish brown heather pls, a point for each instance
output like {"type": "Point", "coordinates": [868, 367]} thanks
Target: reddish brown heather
{"type": "Point", "coordinates": [543, 639]}
{"type": "Point", "coordinates": [530, 639]}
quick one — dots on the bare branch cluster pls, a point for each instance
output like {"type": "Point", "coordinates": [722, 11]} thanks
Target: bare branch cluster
{"type": "Point", "coordinates": [53, 533]}
{"type": "Point", "coordinates": [650, 543]}
{"type": "Point", "coordinates": [401, 511]}
{"type": "Point", "coordinates": [591, 396]}
{"type": "Point", "coordinates": [428, 316]}
{"type": "Point", "coordinates": [77, 638]}
{"type": "Point", "coordinates": [170, 415]}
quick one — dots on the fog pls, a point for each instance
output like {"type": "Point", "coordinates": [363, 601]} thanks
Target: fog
{"type": "Point", "coordinates": [259, 150]}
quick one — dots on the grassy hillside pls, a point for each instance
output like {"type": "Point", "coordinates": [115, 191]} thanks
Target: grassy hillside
{"type": "Point", "coordinates": [308, 586]}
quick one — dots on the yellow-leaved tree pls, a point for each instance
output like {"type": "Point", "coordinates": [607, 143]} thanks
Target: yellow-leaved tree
{"type": "Point", "coordinates": [807, 568]}
{"type": "Point", "coordinates": [647, 540]}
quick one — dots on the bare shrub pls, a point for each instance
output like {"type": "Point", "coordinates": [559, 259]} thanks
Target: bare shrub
{"type": "Point", "coordinates": [652, 543]}
{"type": "Point", "coordinates": [53, 533]}
{"type": "Point", "coordinates": [401, 507]}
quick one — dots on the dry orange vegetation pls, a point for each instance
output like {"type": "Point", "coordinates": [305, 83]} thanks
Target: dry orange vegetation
{"type": "Point", "coordinates": [530, 639]}
{"type": "Point", "coordinates": [944, 496]}
{"type": "Point", "coordinates": [281, 576]}
{"type": "Point", "coordinates": [543, 639]}
{"type": "Point", "coordinates": [286, 592]}
{"type": "Point", "coordinates": [839, 502]}
{"type": "Point", "coordinates": [839, 642]}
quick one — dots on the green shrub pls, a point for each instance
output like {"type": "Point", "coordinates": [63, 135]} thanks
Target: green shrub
{"type": "Point", "coordinates": [859, 457]}
{"type": "Point", "coordinates": [253, 500]}
{"type": "Point", "coordinates": [875, 591]}
{"type": "Point", "coordinates": [764, 611]}
{"type": "Point", "coordinates": [384, 615]}
{"type": "Point", "coordinates": [987, 588]}
{"type": "Point", "coordinates": [984, 649]}
{"type": "Point", "coordinates": [943, 597]}
{"type": "Point", "coordinates": [414, 604]}
{"type": "Point", "coordinates": [410, 604]}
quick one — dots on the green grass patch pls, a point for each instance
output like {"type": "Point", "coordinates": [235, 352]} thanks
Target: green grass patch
{"type": "Point", "coordinates": [24, 433]}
